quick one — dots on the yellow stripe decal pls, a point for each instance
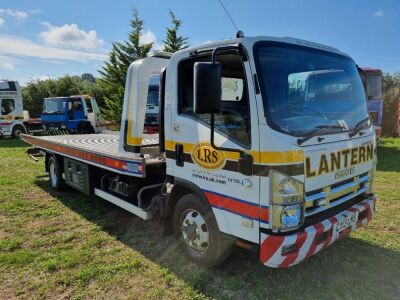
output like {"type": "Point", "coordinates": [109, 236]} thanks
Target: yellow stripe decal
{"type": "Point", "coordinates": [267, 157]}
{"type": "Point", "coordinates": [132, 140]}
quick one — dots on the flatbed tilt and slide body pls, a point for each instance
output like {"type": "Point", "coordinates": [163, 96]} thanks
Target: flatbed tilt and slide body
{"type": "Point", "coordinates": [262, 142]}
{"type": "Point", "coordinates": [101, 151]}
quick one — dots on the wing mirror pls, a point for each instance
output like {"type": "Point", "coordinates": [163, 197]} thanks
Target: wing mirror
{"type": "Point", "coordinates": [207, 87]}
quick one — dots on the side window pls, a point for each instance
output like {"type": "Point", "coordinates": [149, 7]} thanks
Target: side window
{"type": "Point", "coordinates": [7, 106]}
{"type": "Point", "coordinates": [78, 105]}
{"type": "Point", "coordinates": [89, 105]}
{"type": "Point", "coordinates": [234, 117]}
{"type": "Point", "coordinates": [75, 105]}
{"type": "Point", "coordinates": [153, 91]}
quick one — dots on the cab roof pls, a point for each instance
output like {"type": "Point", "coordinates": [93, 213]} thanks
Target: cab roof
{"type": "Point", "coordinates": [249, 41]}
{"type": "Point", "coordinates": [68, 97]}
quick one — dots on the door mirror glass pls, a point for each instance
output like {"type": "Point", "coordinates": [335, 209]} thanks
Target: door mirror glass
{"type": "Point", "coordinates": [207, 87]}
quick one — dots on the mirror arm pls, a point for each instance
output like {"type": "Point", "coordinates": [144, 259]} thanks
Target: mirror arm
{"type": "Point", "coordinates": [213, 142]}
{"type": "Point", "coordinates": [214, 60]}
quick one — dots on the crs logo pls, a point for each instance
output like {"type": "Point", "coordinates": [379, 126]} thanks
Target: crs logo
{"type": "Point", "coordinates": [208, 158]}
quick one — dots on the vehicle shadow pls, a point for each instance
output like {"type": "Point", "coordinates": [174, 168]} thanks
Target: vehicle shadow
{"type": "Point", "coordinates": [12, 143]}
{"type": "Point", "coordinates": [362, 270]}
{"type": "Point", "coordinates": [388, 158]}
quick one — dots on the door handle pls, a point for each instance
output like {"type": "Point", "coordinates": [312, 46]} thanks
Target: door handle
{"type": "Point", "coordinates": [179, 155]}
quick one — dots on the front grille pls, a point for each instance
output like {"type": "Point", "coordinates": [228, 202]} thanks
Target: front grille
{"type": "Point", "coordinates": [374, 117]}
{"type": "Point", "coordinates": [338, 193]}
{"type": "Point", "coordinates": [151, 119]}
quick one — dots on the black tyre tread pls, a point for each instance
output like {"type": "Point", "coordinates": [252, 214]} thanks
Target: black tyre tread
{"type": "Point", "coordinates": [22, 128]}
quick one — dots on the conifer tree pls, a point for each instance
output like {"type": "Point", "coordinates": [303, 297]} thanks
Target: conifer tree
{"type": "Point", "coordinates": [114, 70]}
{"type": "Point", "coordinates": [173, 41]}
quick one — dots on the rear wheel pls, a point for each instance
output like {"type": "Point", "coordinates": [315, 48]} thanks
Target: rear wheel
{"type": "Point", "coordinates": [55, 174]}
{"type": "Point", "coordinates": [17, 131]}
{"type": "Point", "coordinates": [197, 230]}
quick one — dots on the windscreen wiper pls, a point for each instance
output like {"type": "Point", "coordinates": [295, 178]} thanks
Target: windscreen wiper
{"type": "Point", "coordinates": [320, 130]}
{"type": "Point", "coordinates": [359, 126]}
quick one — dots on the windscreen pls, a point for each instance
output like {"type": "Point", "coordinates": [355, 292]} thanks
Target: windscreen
{"type": "Point", "coordinates": [153, 91]}
{"type": "Point", "coordinates": [374, 87]}
{"type": "Point", "coordinates": [153, 96]}
{"type": "Point", "coordinates": [54, 105]}
{"type": "Point", "coordinates": [304, 88]}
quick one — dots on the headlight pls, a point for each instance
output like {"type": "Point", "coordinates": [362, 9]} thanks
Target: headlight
{"type": "Point", "coordinates": [63, 126]}
{"type": "Point", "coordinates": [287, 199]}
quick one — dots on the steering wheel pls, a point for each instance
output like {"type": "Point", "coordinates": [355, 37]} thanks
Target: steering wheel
{"type": "Point", "coordinates": [232, 120]}
{"type": "Point", "coordinates": [314, 111]}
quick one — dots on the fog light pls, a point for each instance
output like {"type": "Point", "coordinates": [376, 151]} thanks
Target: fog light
{"type": "Point", "coordinates": [286, 249]}
{"type": "Point", "coordinates": [63, 126]}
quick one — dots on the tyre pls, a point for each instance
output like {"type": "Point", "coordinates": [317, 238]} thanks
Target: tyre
{"type": "Point", "coordinates": [17, 131]}
{"type": "Point", "coordinates": [85, 128]}
{"type": "Point", "coordinates": [197, 231]}
{"type": "Point", "coordinates": [55, 174]}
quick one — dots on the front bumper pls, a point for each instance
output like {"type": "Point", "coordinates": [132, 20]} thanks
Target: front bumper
{"type": "Point", "coordinates": [312, 239]}
{"type": "Point", "coordinates": [5, 130]}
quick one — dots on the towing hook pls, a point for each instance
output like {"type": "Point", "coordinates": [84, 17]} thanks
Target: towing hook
{"type": "Point", "coordinates": [33, 153]}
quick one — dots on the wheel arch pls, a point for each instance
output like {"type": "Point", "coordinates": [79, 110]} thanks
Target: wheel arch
{"type": "Point", "coordinates": [16, 125]}
{"type": "Point", "coordinates": [182, 187]}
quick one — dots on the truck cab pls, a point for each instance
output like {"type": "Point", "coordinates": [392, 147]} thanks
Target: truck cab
{"type": "Point", "coordinates": [284, 156]}
{"type": "Point", "coordinates": [74, 114]}
{"type": "Point", "coordinates": [11, 113]}
{"type": "Point", "coordinates": [372, 80]}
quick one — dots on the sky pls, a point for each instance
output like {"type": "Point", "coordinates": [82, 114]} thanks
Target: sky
{"type": "Point", "coordinates": [51, 38]}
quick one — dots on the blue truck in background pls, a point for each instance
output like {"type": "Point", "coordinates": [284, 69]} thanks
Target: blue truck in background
{"type": "Point", "coordinates": [372, 80]}
{"type": "Point", "coordinates": [74, 114]}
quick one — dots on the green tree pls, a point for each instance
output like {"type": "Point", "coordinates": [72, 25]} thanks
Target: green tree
{"type": "Point", "coordinates": [88, 77]}
{"type": "Point", "coordinates": [173, 41]}
{"type": "Point", "coordinates": [391, 98]}
{"type": "Point", "coordinates": [115, 68]}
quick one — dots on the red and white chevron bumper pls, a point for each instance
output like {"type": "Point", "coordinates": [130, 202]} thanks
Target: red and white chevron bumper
{"type": "Point", "coordinates": [312, 239]}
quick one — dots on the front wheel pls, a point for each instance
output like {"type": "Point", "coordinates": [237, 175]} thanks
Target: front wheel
{"type": "Point", "coordinates": [197, 231]}
{"type": "Point", "coordinates": [17, 131]}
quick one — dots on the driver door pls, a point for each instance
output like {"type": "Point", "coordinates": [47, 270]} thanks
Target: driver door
{"type": "Point", "coordinates": [233, 196]}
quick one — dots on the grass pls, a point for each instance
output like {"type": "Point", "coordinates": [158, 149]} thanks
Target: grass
{"type": "Point", "coordinates": [67, 245]}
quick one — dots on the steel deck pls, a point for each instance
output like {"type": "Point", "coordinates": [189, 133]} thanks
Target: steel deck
{"type": "Point", "coordinates": [97, 149]}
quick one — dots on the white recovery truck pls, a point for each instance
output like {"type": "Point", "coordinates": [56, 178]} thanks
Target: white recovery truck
{"type": "Point", "coordinates": [242, 155]}
{"type": "Point", "coordinates": [14, 120]}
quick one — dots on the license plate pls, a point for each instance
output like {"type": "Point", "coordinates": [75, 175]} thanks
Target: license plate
{"type": "Point", "coordinates": [344, 223]}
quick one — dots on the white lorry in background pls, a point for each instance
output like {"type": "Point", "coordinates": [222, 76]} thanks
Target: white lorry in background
{"type": "Point", "coordinates": [13, 119]}
{"type": "Point", "coordinates": [250, 149]}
